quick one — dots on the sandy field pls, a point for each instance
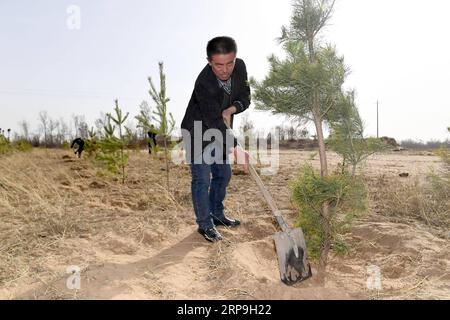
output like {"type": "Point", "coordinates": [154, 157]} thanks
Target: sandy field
{"type": "Point", "coordinates": [139, 241]}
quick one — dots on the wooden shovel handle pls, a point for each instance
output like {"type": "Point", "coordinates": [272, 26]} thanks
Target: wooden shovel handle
{"type": "Point", "coordinates": [266, 194]}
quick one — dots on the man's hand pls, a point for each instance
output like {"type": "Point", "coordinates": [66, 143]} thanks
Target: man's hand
{"type": "Point", "coordinates": [242, 157]}
{"type": "Point", "coordinates": [226, 114]}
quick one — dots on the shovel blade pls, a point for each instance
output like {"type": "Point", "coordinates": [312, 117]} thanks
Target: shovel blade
{"type": "Point", "coordinates": [293, 268]}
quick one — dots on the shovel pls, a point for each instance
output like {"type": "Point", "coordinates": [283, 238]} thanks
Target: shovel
{"type": "Point", "coordinates": [290, 243]}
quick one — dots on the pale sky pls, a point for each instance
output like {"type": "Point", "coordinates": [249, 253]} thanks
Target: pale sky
{"type": "Point", "coordinates": [398, 51]}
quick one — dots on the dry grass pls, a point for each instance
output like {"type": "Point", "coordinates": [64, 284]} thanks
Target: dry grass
{"type": "Point", "coordinates": [403, 199]}
{"type": "Point", "coordinates": [48, 197]}
{"type": "Point", "coordinates": [55, 211]}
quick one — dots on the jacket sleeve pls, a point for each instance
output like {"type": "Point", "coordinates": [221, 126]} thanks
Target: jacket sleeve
{"type": "Point", "coordinates": [210, 110]}
{"type": "Point", "coordinates": [243, 99]}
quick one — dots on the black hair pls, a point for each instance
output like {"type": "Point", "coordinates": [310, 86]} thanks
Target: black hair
{"type": "Point", "coordinates": [221, 45]}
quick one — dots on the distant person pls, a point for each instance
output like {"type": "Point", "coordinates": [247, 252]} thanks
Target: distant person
{"type": "Point", "coordinates": [152, 138]}
{"type": "Point", "coordinates": [220, 92]}
{"type": "Point", "coordinates": [78, 146]}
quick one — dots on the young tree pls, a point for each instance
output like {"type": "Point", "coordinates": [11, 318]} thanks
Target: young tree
{"type": "Point", "coordinates": [303, 133]}
{"type": "Point", "coordinates": [81, 127]}
{"type": "Point", "coordinates": [291, 132]}
{"type": "Point", "coordinates": [247, 129]}
{"type": "Point", "coordinates": [52, 126]}
{"type": "Point", "coordinates": [165, 120]}
{"type": "Point", "coordinates": [306, 85]}
{"type": "Point", "coordinates": [347, 135]}
{"type": "Point", "coordinates": [246, 124]}
{"type": "Point", "coordinates": [280, 131]}
{"type": "Point", "coordinates": [100, 123]}
{"type": "Point", "coordinates": [144, 119]}
{"type": "Point", "coordinates": [62, 132]}
{"type": "Point", "coordinates": [5, 145]}
{"type": "Point", "coordinates": [25, 130]}
{"type": "Point", "coordinates": [112, 147]}
{"type": "Point", "coordinates": [92, 146]}
{"type": "Point", "coordinates": [43, 117]}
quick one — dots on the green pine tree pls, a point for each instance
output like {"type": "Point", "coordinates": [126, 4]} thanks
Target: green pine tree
{"type": "Point", "coordinates": [306, 85]}
{"type": "Point", "coordinates": [347, 135]}
{"type": "Point", "coordinates": [165, 120]}
{"type": "Point", "coordinates": [112, 148]}
{"type": "Point", "coordinates": [5, 145]}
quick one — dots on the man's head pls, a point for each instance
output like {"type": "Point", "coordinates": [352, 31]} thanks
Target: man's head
{"type": "Point", "coordinates": [221, 53]}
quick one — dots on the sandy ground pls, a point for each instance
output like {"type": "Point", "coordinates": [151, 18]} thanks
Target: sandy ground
{"type": "Point", "coordinates": [139, 241]}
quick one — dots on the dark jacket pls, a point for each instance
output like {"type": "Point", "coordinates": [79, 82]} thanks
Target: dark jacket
{"type": "Point", "coordinates": [207, 100]}
{"type": "Point", "coordinates": [79, 142]}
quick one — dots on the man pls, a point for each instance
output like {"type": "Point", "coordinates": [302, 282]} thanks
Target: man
{"type": "Point", "coordinates": [78, 145]}
{"type": "Point", "coordinates": [151, 138]}
{"type": "Point", "coordinates": [221, 91]}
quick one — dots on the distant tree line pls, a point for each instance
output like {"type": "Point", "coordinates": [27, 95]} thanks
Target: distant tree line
{"type": "Point", "coordinates": [421, 145]}
{"type": "Point", "coordinates": [58, 132]}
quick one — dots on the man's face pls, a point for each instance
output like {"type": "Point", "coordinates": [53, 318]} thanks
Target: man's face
{"type": "Point", "coordinates": [223, 65]}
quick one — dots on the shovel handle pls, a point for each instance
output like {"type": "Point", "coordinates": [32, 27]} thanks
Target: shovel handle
{"type": "Point", "coordinates": [267, 196]}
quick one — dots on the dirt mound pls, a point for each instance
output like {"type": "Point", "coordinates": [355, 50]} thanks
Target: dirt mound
{"type": "Point", "coordinates": [300, 144]}
{"type": "Point", "coordinates": [390, 141]}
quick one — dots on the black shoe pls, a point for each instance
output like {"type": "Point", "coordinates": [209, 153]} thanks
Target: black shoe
{"type": "Point", "coordinates": [226, 222]}
{"type": "Point", "coordinates": [210, 234]}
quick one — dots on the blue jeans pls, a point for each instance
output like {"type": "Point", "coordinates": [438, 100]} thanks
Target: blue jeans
{"type": "Point", "coordinates": [208, 193]}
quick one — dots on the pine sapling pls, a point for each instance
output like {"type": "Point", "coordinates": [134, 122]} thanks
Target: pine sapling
{"type": "Point", "coordinates": [112, 148]}
{"type": "Point", "coordinates": [162, 116]}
